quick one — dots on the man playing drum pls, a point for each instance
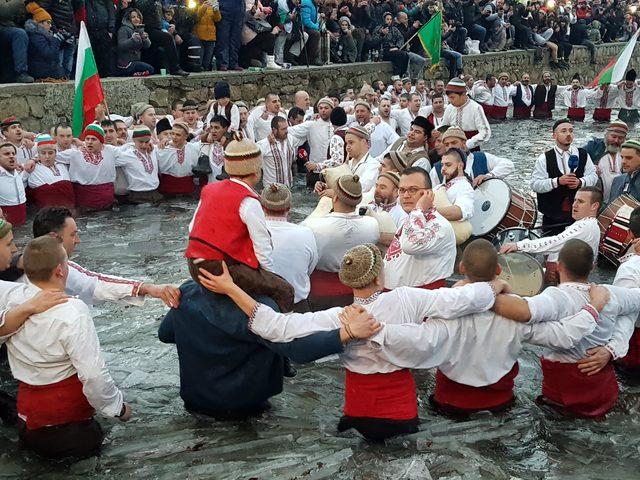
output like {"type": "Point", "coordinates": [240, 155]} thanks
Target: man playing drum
{"type": "Point", "coordinates": [628, 182]}
{"type": "Point", "coordinates": [557, 175]}
{"type": "Point", "coordinates": [480, 166]}
{"type": "Point", "coordinates": [585, 208]}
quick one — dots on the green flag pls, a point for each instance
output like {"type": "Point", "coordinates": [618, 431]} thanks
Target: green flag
{"type": "Point", "coordinates": [430, 36]}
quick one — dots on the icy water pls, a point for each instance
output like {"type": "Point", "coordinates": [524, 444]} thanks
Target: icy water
{"type": "Point", "coordinates": [296, 439]}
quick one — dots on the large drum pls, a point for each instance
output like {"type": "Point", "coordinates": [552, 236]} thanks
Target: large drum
{"type": "Point", "coordinates": [522, 272]}
{"type": "Point", "coordinates": [513, 235]}
{"type": "Point", "coordinates": [614, 228]}
{"type": "Point", "coordinates": [498, 207]}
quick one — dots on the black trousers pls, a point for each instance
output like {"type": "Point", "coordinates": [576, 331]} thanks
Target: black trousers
{"type": "Point", "coordinates": [378, 429]}
{"type": "Point", "coordinates": [399, 59]}
{"type": "Point", "coordinates": [262, 43]}
{"type": "Point", "coordinates": [164, 41]}
{"type": "Point", "coordinates": [71, 440]}
{"type": "Point", "coordinates": [102, 46]}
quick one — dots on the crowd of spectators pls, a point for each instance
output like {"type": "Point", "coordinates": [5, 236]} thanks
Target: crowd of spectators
{"type": "Point", "coordinates": [143, 37]}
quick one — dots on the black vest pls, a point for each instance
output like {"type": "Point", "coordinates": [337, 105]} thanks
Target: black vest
{"type": "Point", "coordinates": [541, 91]}
{"type": "Point", "coordinates": [551, 203]}
{"type": "Point", "coordinates": [517, 99]}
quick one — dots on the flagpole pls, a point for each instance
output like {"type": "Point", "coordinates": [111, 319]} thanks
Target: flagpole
{"type": "Point", "coordinates": [412, 37]}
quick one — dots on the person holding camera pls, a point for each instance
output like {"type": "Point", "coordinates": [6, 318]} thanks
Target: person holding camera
{"type": "Point", "coordinates": [132, 39]}
{"type": "Point", "coordinates": [44, 46]}
{"type": "Point", "coordinates": [205, 30]}
{"type": "Point", "coordinates": [66, 28]}
{"type": "Point", "coordinates": [391, 40]}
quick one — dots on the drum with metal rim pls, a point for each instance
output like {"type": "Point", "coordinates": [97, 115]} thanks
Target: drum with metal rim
{"type": "Point", "coordinates": [614, 228]}
{"type": "Point", "coordinates": [522, 272]}
{"type": "Point", "coordinates": [513, 235]}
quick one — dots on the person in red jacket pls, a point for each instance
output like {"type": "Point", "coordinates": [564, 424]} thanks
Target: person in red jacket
{"type": "Point", "coordinates": [229, 225]}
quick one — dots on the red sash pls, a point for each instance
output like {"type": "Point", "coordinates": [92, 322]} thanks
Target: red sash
{"type": "Point", "coordinates": [542, 111]}
{"type": "Point", "coordinates": [602, 114]}
{"type": "Point", "coordinates": [380, 395]}
{"type": "Point", "coordinates": [327, 284]}
{"type": "Point", "coordinates": [170, 185]}
{"type": "Point", "coordinates": [55, 404]}
{"type": "Point", "coordinates": [576, 114]}
{"type": "Point", "coordinates": [488, 109]}
{"type": "Point", "coordinates": [59, 194]}
{"type": "Point", "coordinates": [582, 395]}
{"type": "Point", "coordinates": [632, 358]}
{"type": "Point", "coordinates": [521, 112]}
{"type": "Point", "coordinates": [15, 214]}
{"type": "Point", "coordinates": [499, 113]}
{"type": "Point", "coordinates": [429, 286]}
{"type": "Point", "coordinates": [454, 395]}
{"type": "Point", "coordinates": [94, 196]}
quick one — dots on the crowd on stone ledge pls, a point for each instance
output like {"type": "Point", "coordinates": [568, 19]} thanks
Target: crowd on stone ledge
{"type": "Point", "coordinates": [146, 37]}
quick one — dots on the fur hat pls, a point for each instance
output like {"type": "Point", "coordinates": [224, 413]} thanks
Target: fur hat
{"type": "Point", "coordinates": [349, 190]}
{"type": "Point", "coordinates": [242, 157]}
{"type": "Point", "coordinates": [221, 90]}
{"type": "Point", "coordinates": [276, 197]}
{"type": "Point", "coordinates": [361, 265]}
{"type": "Point", "coordinates": [163, 125]}
{"type": "Point", "coordinates": [338, 117]}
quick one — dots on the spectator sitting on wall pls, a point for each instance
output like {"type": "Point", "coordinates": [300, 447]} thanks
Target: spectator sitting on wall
{"type": "Point", "coordinates": [132, 39]}
{"type": "Point", "coordinates": [44, 46]}
{"type": "Point", "coordinates": [14, 38]}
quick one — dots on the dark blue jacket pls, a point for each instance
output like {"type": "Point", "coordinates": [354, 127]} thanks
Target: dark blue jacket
{"type": "Point", "coordinates": [625, 184]}
{"type": "Point", "coordinates": [223, 366]}
{"type": "Point", "coordinates": [596, 149]}
{"type": "Point", "coordinates": [44, 50]}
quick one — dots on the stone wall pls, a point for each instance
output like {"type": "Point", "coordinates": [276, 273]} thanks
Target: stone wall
{"type": "Point", "coordinates": [43, 105]}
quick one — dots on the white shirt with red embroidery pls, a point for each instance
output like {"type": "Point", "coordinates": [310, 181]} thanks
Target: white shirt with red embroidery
{"type": "Point", "coordinates": [88, 168]}
{"type": "Point", "coordinates": [140, 168]}
{"type": "Point", "coordinates": [481, 93]}
{"type": "Point", "coordinates": [277, 160]}
{"type": "Point", "coordinates": [469, 117]}
{"type": "Point", "coordinates": [629, 98]}
{"type": "Point", "coordinates": [12, 187]}
{"type": "Point", "coordinates": [606, 98]}
{"type": "Point", "coordinates": [423, 251]}
{"type": "Point", "coordinates": [608, 168]}
{"type": "Point", "coordinates": [501, 97]}
{"type": "Point", "coordinates": [527, 93]}
{"type": "Point", "coordinates": [43, 175]}
{"type": "Point", "coordinates": [461, 194]}
{"type": "Point", "coordinates": [179, 162]}
{"type": "Point", "coordinates": [576, 98]}
{"type": "Point", "coordinates": [628, 275]}
{"type": "Point", "coordinates": [394, 209]}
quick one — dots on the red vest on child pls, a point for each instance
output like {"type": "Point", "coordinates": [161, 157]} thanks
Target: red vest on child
{"type": "Point", "coordinates": [218, 230]}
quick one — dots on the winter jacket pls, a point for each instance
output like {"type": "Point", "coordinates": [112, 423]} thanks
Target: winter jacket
{"type": "Point", "coordinates": [62, 13]}
{"type": "Point", "coordinates": [205, 28]}
{"type": "Point", "coordinates": [43, 51]}
{"type": "Point", "coordinates": [128, 47]}
{"type": "Point", "coordinates": [101, 16]}
{"type": "Point", "coordinates": [151, 12]}
{"type": "Point", "coordinates": [12, 13]}
{"type": "Point", "coordinates": [347, 49]}
{"type": "Point", "coordinates": [309, 15]}
{"type": "Point", "coordinates": [393, 39]}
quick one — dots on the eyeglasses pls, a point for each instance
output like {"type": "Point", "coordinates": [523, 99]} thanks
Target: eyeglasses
{"type": "Point", "coordinates": [410, 190]}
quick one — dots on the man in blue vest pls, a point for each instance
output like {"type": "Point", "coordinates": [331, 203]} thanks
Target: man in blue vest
{"type": "Point", "coordinates": [628, 182]}
{"type": "Point", "coordinates": [480, 166]}
{"type": "Point", "coordinates": [557, 175]}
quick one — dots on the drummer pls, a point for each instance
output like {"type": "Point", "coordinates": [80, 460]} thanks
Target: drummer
{"type": "Point", "coordinates": [628, 182]}
{"type": "Point", "coordinates": [558, 174]}
{"type": "Point", "coordinates": [456, 185]}
{"type": "Point", "coordinates": [480, 166]}
{"type": "Point", "coordinates": [584, 211]}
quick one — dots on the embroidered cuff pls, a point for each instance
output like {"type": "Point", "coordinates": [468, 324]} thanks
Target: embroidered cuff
{"type": "Point", "coordinates": [3, 313]}
{"type": "Point", "coordinates": [592, 310]}
{"type": "Point", "coordinates": [253, 315]}
{"type": "Point", "coordinates": [612, 352]}
{"type": "Point", "coordinates": [135, 292]}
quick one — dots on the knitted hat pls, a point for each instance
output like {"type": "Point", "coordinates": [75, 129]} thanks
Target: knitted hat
{"type": "Point", "coordinates": [189, 105]}
{"type": "Point", "coordinates": [359, 132]}
{"type": "Point", "coordinates": [393, 176]}
{"type": "Point", "coordinates": [94, 130]}
{"type": "Point", "coordinates": [618, 126]}
{"type": "Point", "coordinates": [456, 85]}
{"type": "Point", "coordinates": [7, 122]}
{"type": "Point", "coordinates": [349, 190]}
{"type": "Point", "coordinates": [138, 109]}
{"type": "Point", "coordinates": [221, 90]}
{"type": "Point", "coordinates": [326, 101]}
{"type": "Point", "coordinates": [635, 144]}
{"type": "Point", "coordinates": [163, 125]}
{"type": "Point", "coordinates": [503, 74]}
{"type": "Point", "coordinates": [406, 80]}
{"type": "Point", "coordinates": [630, 76]}
{"type": "Point", "coordinates": [338, 117]}
{"type": "Point", "coordinates": [141, 132]}
{"type": "Point", "coordinates": [39, 14]}
{"type": "Point", "coordinates": [276, 197]}
{"type": "Point", "coordinates": [345, 19]}
{"type": "Point", "coordinates": [360, 266]}
{"type": "Point", "coordinates": [242, 156]}
{"type": "Point", "coordinates": [395, 77]}
{"type": "Point", "coordinates": [366, 90]}
{"type": "Point", "coordinates": [5, 228]}
{"type": "Point", "coordinates": [361, 103]}
{"type": "Point", "coordinates": [182, 124]}
{"type": "Point", "coordinates": [241, 104]}
{"type": "Point", "coordinates": [576, 76]}
{"type": "Point", "coordinates": [45, 140]}
{"type": "Point", "coordinates": [454, 132]}
{"type": "Point", "coordinates": [398, 159]}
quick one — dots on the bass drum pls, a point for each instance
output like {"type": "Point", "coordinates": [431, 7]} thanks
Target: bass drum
{"type": "Point", "coordinates": [492, 200]}
{"type": "Point", "coordinates": [522, 272]}
{"type": "Point", "coordinates": [513, 235]}
{"type": "Point", "coordinates": [614, 228]}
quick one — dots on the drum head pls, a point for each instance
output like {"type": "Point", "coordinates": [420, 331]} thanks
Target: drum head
{"type": "Point", "coordinates": [513, 235]}
{"type": "Point", "coordinates": [493, 198]}
{"type": "Point", "coordinates": [522, 272]}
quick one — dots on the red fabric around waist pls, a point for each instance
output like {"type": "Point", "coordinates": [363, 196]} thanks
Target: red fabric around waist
{"type": "Point", "coordinates": [55, 404]}
{"type": "Point", "coordinates": [488, 109]}
{"type": "Point", "coordinates": [429, 286]}
{"type": "Point", "coordinates": [464, 397]}
{"type": "Point", "coordinates": [576, 113]}
{"type": "Point", "coordinates": [500, 112]}
{"type": "Point", "coordinates": [632, 358]}
{"type": "Point", "coordinates": [59, 194]}
{"type": "Point", "coordinates": [170, 185]}
{"type": "Point", "coordinates": [380, 395]}
{"type": "Point", "coordinates": [602, 114]}
{"type": "Point", "coordinates": [521, 112]}
{"type": "Point", "coordinates": [578, 393]}
{"type": "Point", "coordinates": [15, 214]}
{"type": "Point", "coordinates": [327, 284]}
{"type": "Point", "coordinates": [94, 196]}
{"type": "Point", "coordinates": [542, 111]}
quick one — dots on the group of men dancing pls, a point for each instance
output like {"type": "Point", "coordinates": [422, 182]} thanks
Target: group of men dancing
{"type": "Point", "coordinates": [364, 276]}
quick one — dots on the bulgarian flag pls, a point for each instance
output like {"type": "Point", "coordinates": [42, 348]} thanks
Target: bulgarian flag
{"type": "Point", "coordinates": [88, 89]}
{"type": "Point", "coordinates": [430, 36]}
{"type": "Point", "coordinates": [617, 66]}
